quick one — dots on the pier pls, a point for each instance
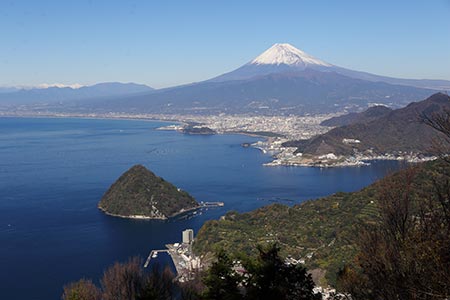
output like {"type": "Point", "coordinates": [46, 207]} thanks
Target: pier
{"type": "Point", "coordinates": [153, 254]}
{"type": "Point", "coordinates": [211, 204]}
{"type": "Point", "coordinates": [186, 264]}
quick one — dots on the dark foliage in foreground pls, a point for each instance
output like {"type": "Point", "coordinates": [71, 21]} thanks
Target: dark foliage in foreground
{"type": "Point", "coordinates": [271, 278]}
{"type": "Point", "coordinates": [406, 253]}
{"type": "Point", "coordinates": [267, 277]}
{"type": "Point", "coordinates": [125, 281]}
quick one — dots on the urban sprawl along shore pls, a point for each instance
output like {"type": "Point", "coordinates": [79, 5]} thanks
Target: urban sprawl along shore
{"type": "Point", "coordinates": [274, 130]}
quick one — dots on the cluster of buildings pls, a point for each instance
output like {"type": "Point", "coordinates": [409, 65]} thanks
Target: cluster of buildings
{"type": "Point", "coordinates": [291, 127]}
{"type": "Point", "coordinates": [185, 262]}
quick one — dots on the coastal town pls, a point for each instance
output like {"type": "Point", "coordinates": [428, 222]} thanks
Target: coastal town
{"type": "Point", "coordinates": [277, 130]}
{"type": "Point", "coordinates": [274, 131]}
{"type": "Point", "coordinates": [291, 127]}
{"type": "Point", "coordinates": [287, 156]}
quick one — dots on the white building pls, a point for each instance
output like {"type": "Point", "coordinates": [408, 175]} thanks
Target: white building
{"type": "Point", "coordinates": [188, 236]}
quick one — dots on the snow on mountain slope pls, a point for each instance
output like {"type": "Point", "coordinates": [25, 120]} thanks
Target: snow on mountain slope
{"type": "Point", "coordinates": [287, 54]}
{"type": "Point", "coordinates": [285, 58]}
{"type": "Point", "coordinates": [279, 58]}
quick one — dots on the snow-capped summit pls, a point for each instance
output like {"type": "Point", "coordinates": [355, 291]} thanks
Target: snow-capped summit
{"type": "Point", "coordinates": [287, 54]}
{"type": "Point", "coordinates": [280, 58]}
{"type": "Point", "coordinates": [286, 60]}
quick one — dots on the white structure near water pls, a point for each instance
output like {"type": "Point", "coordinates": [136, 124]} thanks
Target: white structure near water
{"type": "Point", "coordinates": [188, 236]}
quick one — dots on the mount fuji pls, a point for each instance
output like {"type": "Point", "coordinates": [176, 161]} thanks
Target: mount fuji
{"type": "Point", "coordinates": [281, 58]}
{"type": "Point", "coordinates": [282, 80]}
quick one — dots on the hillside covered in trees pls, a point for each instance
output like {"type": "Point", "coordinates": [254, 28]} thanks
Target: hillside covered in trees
{"type": "Point", "coordinates": [326, 234]}
{"type": "Point", "coordinates": [390, 240]}
{"type": "Point", "coordinates": [380, 131]}
{"type": "Point", "coordinates": [139, 193]}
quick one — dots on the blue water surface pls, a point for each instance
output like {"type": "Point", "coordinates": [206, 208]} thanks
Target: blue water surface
{"type": "Point", "coordinates": [54, 171]}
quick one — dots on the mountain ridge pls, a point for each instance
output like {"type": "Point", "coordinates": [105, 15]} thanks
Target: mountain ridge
{"type": "Point", "coordinates": [368, 115]}
{"type": "Point", "coordinates": [53, 94]}
{"type": "Point", "coordinates": [282, 80]}
{"type": "Point", "coordinates": [399, 130]}
{"type": "Point", "coordinates": [309, 91]}
{"type": "Point", "coordinates": [286, 58]}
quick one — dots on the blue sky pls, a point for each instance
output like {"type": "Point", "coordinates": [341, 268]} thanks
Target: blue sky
{"type": "Point", "coordinates": [166, 43]}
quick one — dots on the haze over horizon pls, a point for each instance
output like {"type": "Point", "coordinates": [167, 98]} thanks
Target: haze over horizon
{"type": "Point", "coordinates": [165, 45]}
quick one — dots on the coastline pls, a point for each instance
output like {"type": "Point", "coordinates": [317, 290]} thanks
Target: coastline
{"type": "Point", "coordinates": [287, 156]}
{"type": "Point", "coordinates": [144, 217]}
{"type": "Point", "coordinates": [147, 118]}
{"type": "Point", "coordinates": [281, 156]}
{"type": "Point", "coordinates": [88, 117]}
{"type": "Point", "coordinates": [342, 162]}
{"type": "Point", "coordinates": [290, 127]}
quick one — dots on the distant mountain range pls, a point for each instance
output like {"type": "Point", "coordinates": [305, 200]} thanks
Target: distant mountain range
{"type": "Point", "coordinates": [285, 58]}
{"type": "Point", "coordinates": [8, 90]}
{"type": "Point", "coordinates": [380, 131]}
{"type": "Point", "coordinates": [16, 96]}
{"type": "Point", "coordinates": [282, 80]}
{"type": "Point", "coordinates": [307, 92]}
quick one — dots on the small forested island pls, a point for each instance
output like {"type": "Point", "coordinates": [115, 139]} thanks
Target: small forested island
{"type": "Point", "coordinates": [140, 194]}
{"type": "Point", "coordinates": [197, 129]}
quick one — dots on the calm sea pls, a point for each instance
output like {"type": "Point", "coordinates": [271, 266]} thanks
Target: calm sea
{"type": "Point", "coordinates": [54, 171]}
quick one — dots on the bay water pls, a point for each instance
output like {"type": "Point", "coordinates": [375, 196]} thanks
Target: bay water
{"type": "Point", "coordinates": [53, 172]}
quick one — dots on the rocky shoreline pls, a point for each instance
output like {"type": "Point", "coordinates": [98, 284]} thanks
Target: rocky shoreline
{"type": "Point", "coordinates": [144, 217]}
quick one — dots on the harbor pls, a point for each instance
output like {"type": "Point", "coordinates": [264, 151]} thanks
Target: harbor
{"type": "Point", "coordinates": [153, 254]}
{"type": "Point", "coordinates": [185, 262]}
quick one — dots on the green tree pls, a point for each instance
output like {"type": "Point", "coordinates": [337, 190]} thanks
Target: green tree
{"type": "Point", "coordinates": [221, 281]}
{"type": "Point", "coordinates": [271, 278]}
